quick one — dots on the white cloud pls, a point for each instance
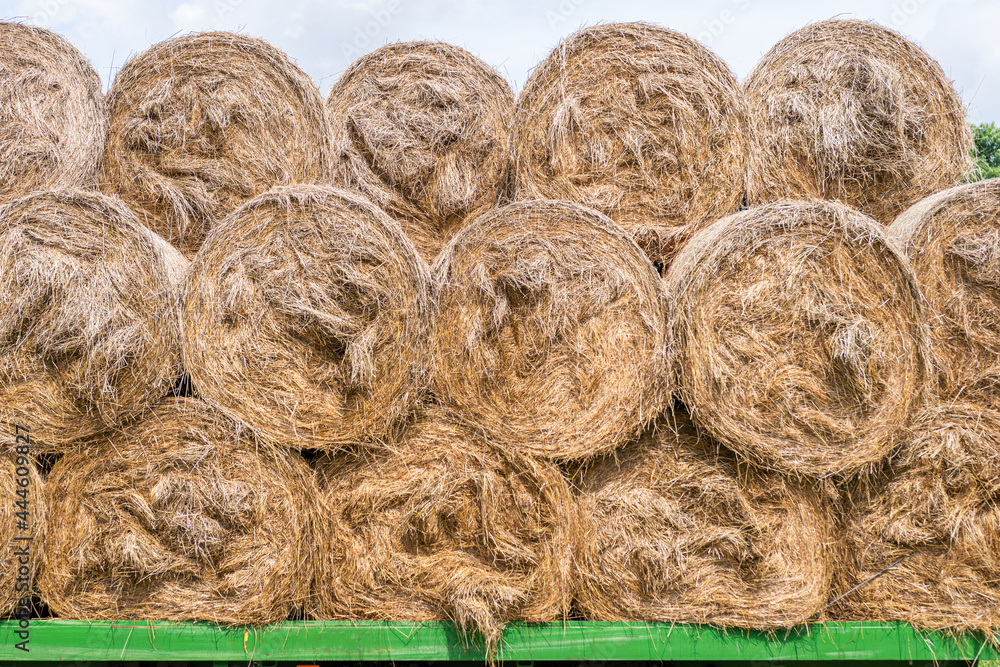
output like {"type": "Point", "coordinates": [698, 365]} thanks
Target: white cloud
{"type": "Point", "coordinates": [189, 16]}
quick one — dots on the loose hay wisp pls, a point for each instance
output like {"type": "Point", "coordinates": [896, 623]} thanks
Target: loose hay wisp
{"type": "Point", "coordinates": [307, 317]}
{"type": "Point", "coordinates": [420, 128]}
{"type": "Point", "coordinates": [673, 529]}
{"type": "Point", "coordinates": [204, 122]}
{"type": "Point", "coordinates": [929, 539]}
{"type": "Point", "coordinates": [953, 243]}
{"type": "Point", "coordinates": [179, 517]}
{"type": "Point", "coordinates": [53, 116]}
{"type": "Point", "coordinates": [850, 110]}
{"type": "Point", "coordinates": [799, 336]}
{"type": "Point", "coordinates": [89, 328]}
{"type": "Point", "coordinates": [442, 526]}
{"type": "Point", "coordinates": [642, 123]}
{"type": "Point", "coordinates": [549, 333]}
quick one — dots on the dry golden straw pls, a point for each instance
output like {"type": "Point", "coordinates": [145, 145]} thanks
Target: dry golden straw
{"type": "Point", "coordinates": [307, 317]}
{"type": "Point", "coordinates": [442, 526]}
{"type": "Point", "coordinates": [799, 336]}
{"type": "Point", "coordinates": [15, 467]}
{"type": "Point", "coordinates": [931, 534]}
{"type": "Point", "coordinates": [953, 242]}
{"type": "Point", "coordinates": [420, 128]}
{"type": "Point", "coordinates": [201, 123]}
{"type": "Point", "coordinates": [550, 330]}
{"type": "Point", "coordinates": [639, 122]}
{"type": "Point", "coordinates": [53, 116]}
{"type": "Point", "coordinates": [850, 110]}
{"type": "Point", "coordinates": [179, 517]}
{"type": "Point", "coordinates": [89, 330]}
{"type": "Point", "coordinates": [673, 529]}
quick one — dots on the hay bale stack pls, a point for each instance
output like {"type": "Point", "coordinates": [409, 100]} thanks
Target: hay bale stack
{"type": "Point", "coordinates": [179, 517]}
{"type": "Point", "coordinates": [953, 244]}
{"type": "Point", "coordinates": [799, 336]}
{"type": "Point", "coordinates": [202, 123]}
{"type": "Point", "coordinates": [673, 529]}
{"type": "Point", "coordinates": [442, 526]}
{"type": "Point", "coordinates": [307, 317]}
{"type": "Point", "coordinates": [53, 117]}
{"type": "Point", "coordinates": [15, 466]}
{"type": "Point", "coordinates": [852, 111]}
{"type": "Point", "coordinates": [89, 328]}
{"type": "Point", "coordinates": [934, 528]}
{"type": "Point", "coordinates": [420, 128]}
{"type": "Point", "coordinates": [640, 122]}
{"type": "Point", "coordinates": [550, 330]}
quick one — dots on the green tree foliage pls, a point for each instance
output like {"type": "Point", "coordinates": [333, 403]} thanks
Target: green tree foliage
{"type": "Point", "coordinates": [986, 150]}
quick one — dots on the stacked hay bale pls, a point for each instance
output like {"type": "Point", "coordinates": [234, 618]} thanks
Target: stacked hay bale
{"type": "Point", "coordinates": [925, 547]}
{"type": "Point", "coordinates": [924, 539]}
{"type": "Point", "coordinates": [53, 116]}
{"type": "Point", "coordinates": [674, 528]}
{"type": "Point", "coordinates": [443, 526]}
{"type": "Point", "coordinates": [953, 243]}
{"type": "Point", "coordinates": [420, 128]}
{"type": "Point", "coordinates": [638, 122]}
{"type": "Point", "coordinates": [180, 516]}
{"type": "Point", "coordinates": [852, 111]}
{"type": "Point", "coordinates": [89, 326]}
{"type": "Point", "coordinates": [549, 334]}
{"type": "Point", "coordinates": [443, 402]}
{"type": "Point", "coordinates": [200, 124]}
{"type": "Point", "coordinates": [548, 343]}
{"type": "Point", "coordinates": [307, 318]}
{"type": "Point", "coordinates": [800, 338]}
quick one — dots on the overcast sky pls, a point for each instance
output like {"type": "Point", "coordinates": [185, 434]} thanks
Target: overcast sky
{"type": "Point", "coordinates": [513, 36]}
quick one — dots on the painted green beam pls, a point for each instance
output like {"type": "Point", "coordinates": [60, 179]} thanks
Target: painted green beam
{"type": "Point", "coordinates": [313, 641]}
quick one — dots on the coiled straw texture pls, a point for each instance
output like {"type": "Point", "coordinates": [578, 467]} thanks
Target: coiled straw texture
{"type": "Point", "coordinates": [202, 123]}
{"type": "Point", "coordinates": [89, 328]}
{"type": "Point", "coordinates": [852, 111]}
{"type": "Point", "coordinates": [639, 122]}
{"type": "Point", "coordinates": [674, 528]}
{"type": "Point", "coordinates": [800, 338]}
{"type": "Point", "coordinates": [550, 330]}
{"type": "Point", "coordinates": [421, 128]}
{"type": "Point", "coordinates": [53, 117]}
{"type": "Point", "coordinates": [925, 546]}
{"type": "Point", "coordinates": [179, 517]}
{"type": "Point", "coordinates": [442, 526]}
{"type": "Point", "coordinates": [307, 318]}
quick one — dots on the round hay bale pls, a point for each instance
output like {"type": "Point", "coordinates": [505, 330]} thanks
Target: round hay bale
{"type": "Point", "coordinates": [799, 336]}
{"type": "Point", "coordinates": [202, 123]}
{"type": "Point", "coordinates": [179, 517]}
{"type": "Point", "coordinates": [639, 122]}
{"type": "Point", "coordinates": [19, 531]}
{"type": "Point", "coordinates": [307, 317]}
{"type": "Point", "coordinates": [53, 117]}
{"type": "Point", "coordinates": [89, 322]}
{"type": "Point", "coordinates": [673, 529]}
{"type": "Point", "coordinates": [850, 110]}
{"type": "Point", "coordinates": [953, 244]}
{"type": "Point", "coordinates": [420, 128]}
{"type": "Point", "coordinates": [443, 527]}
{"type": "Point", "coordinates": [550, 330]}
{"type": "Point", "coordinates": [929, 539]}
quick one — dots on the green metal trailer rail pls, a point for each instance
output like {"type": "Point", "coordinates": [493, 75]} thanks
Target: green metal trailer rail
{"type": "Point", "coordinates": [314, 642]}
